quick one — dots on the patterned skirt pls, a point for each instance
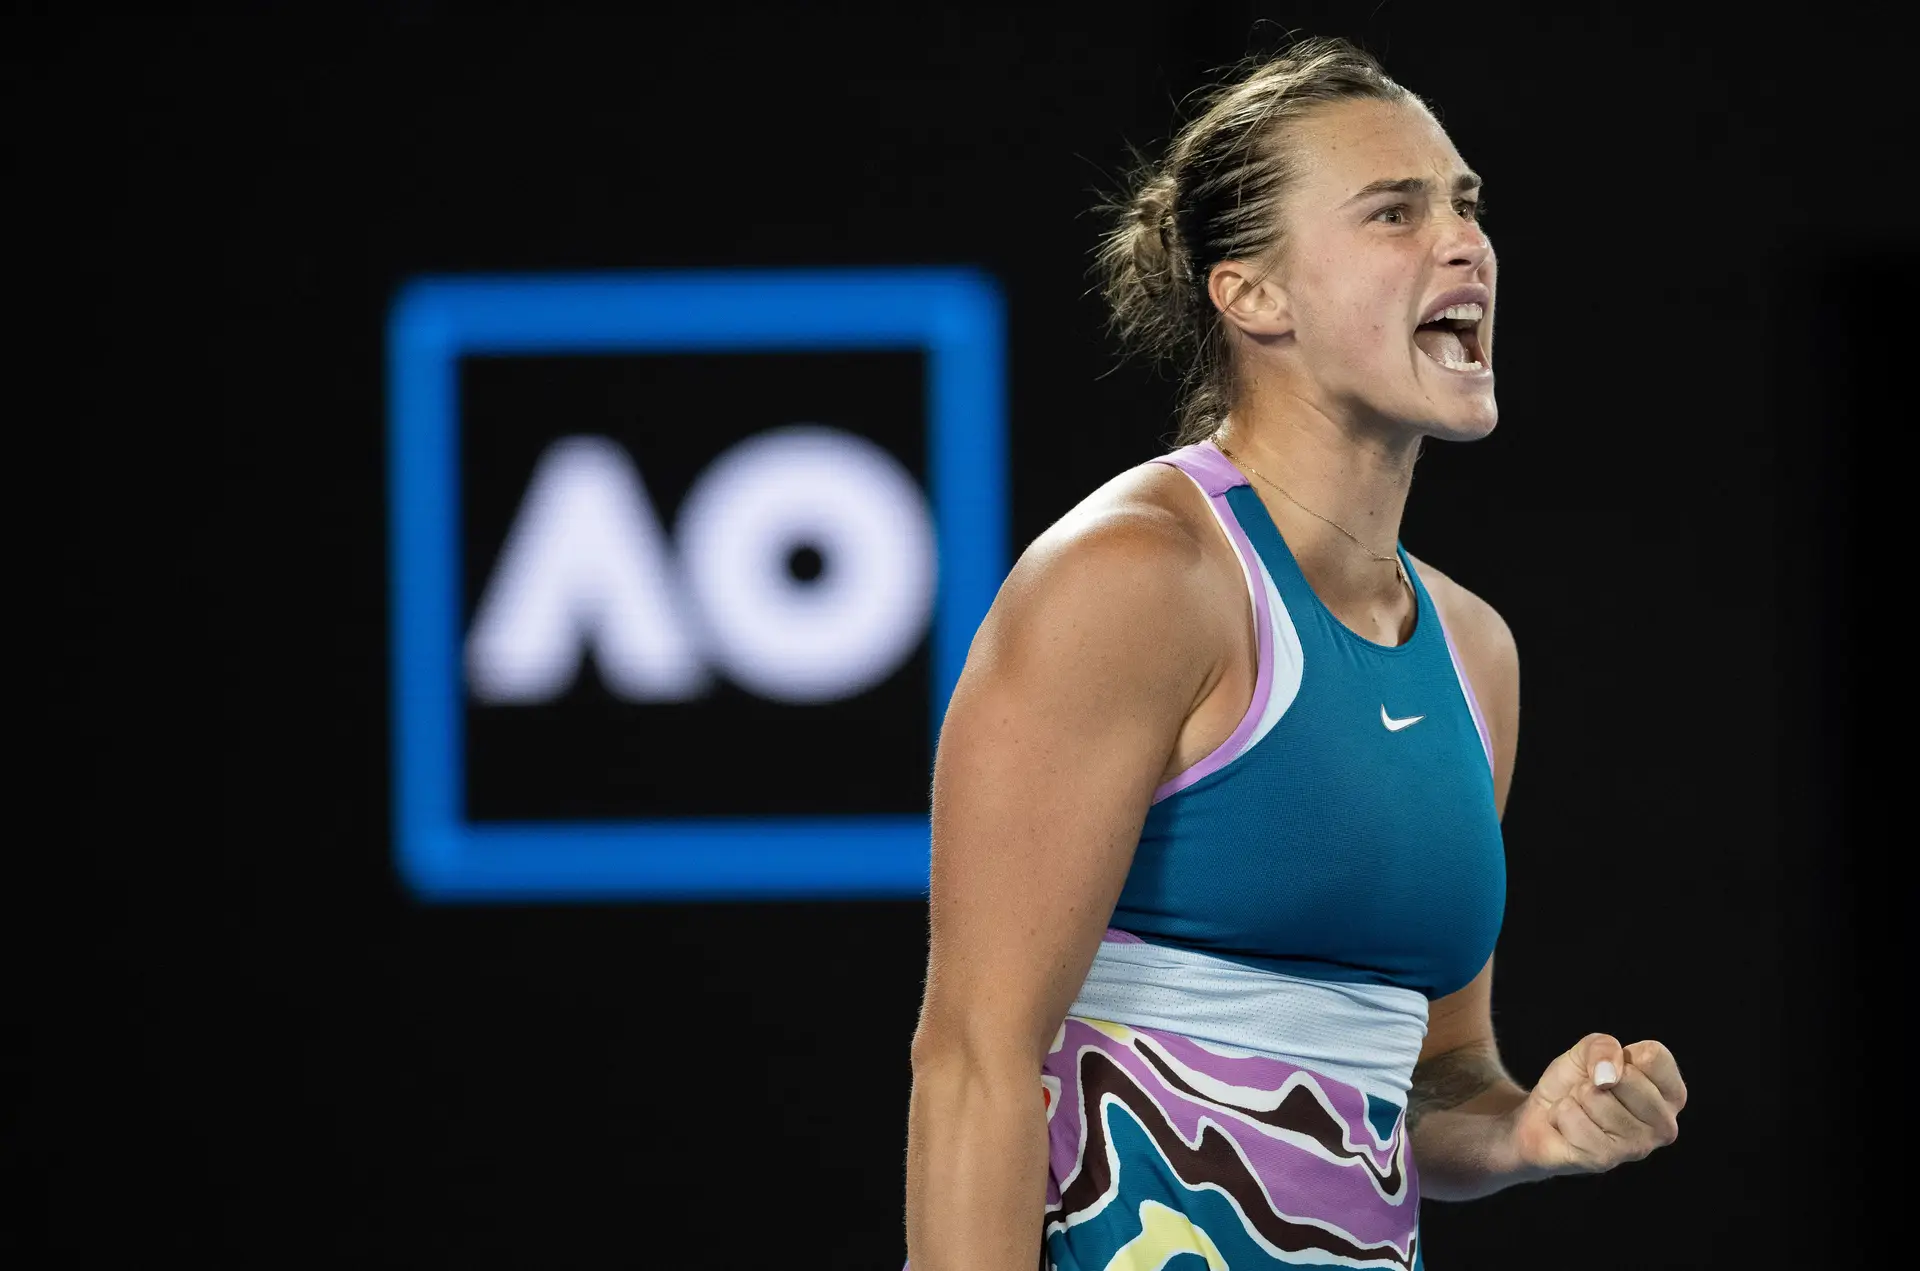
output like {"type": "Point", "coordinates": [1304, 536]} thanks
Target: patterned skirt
{"type": "Point", "coordinates": [1169, 1154]}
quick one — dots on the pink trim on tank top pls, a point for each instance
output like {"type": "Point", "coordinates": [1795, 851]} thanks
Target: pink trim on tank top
{"type": "Point", "coordinates": [1116, 936]}
{"type": "Point", "coordinates": [1466, 686]}
{"type": "Point", "coordinates": [1215, 474]}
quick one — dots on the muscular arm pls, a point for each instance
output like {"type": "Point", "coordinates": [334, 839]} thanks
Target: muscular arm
{"type": "Point", "coordinates": [1461, 1095]}
{"type": "Point", "coordinates": [1073, 697]}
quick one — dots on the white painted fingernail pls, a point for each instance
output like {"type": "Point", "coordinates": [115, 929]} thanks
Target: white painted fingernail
{"type": "Point", "coordinates": [1604, 1074]}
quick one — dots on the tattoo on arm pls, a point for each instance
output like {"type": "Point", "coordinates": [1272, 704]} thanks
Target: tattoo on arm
{"type": "Point", "coordinates": [1456, 1077]}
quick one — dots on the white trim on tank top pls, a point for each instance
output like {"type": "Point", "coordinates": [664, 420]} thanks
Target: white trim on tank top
{"type": "Point", "coordinates": [1289, 660]}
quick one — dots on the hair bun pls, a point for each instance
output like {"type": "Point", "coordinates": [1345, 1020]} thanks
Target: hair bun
{"type": "Point", "coordinates": [1215, 198]}
{"type": "Point", "coordinates": [1144, 269]}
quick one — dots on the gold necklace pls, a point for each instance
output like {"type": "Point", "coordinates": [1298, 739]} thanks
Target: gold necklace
{"type": "Point", "coordinates": [1398, 566]}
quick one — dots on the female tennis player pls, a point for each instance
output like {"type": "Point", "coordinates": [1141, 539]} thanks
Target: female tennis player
{"type": "Point", "coordinates": [1217, 862]}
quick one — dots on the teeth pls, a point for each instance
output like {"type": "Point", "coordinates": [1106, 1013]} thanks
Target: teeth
{"type": "Point", "coordinates": [1451, 364]}
{"type": "Point", "coordinates": [1472, 313]}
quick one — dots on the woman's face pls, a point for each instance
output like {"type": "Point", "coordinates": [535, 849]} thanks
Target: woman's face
{"type": "Point", "coordinates": [1381, 240]}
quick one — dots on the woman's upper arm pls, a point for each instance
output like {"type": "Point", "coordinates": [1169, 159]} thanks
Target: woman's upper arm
{"type": "Point", "coordinates": [1074, 692]}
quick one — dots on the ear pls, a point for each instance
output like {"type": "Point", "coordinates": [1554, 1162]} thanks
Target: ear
{"type": "Point", "coordinates": [1249, 297]}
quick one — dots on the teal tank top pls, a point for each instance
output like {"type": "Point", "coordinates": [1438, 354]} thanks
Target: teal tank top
{"type": "Point", "coordinates": [1346, 831]}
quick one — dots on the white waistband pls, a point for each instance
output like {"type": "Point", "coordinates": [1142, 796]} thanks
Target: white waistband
{"type": "Point", "coordinates": [1367, 1035]}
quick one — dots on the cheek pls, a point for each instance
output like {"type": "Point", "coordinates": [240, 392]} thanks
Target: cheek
{"type": "Point", "coordinates": [1369, 336]}
{"type": "Point", "coordinates": [1346, 327]}
{"type": "Point", "coordinates": [1351, 307]}
{"type": "Point", "coordinates": [1366, 319]}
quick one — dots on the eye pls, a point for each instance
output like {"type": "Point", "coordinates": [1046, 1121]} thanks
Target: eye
{"type": "Point", "coordinates": [1471, 209]}
{"type": "Point", "coordinates": [1397, 213]}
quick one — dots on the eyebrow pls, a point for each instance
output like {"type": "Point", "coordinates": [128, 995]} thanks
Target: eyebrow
{"type": "Point", "coordinates": [1465, 183]}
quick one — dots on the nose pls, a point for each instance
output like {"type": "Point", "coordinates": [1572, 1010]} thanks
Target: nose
{"type": "Point", "coordinates": [1463, 243]}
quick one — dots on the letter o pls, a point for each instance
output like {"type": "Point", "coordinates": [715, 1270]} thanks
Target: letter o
{"type": "Point", "coordinates": [852, 627]}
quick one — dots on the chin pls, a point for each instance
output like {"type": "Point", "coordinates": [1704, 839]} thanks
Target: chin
{"type": "Point", "coordinates": [1466, 425]}
{"type": "Point", "coordinates": [1461, 412]}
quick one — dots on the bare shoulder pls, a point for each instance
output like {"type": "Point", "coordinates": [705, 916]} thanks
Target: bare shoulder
{"type": "Point", "coordinates": [1150, 515]}
{"type": "Point", "coordinates": [1136, 565]}
{"type": "Point", "coordinates": [1481, 635]}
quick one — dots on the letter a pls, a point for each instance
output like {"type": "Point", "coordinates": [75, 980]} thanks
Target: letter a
{"type": "Point", "coordinates": [586, 562]}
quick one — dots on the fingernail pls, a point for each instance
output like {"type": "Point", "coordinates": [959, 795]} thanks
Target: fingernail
{"type": "Point", "coordinates": [1604, 1074]}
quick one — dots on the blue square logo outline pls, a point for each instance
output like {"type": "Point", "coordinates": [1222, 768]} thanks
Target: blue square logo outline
{"type": "Point", "coordinates": [954, 316]}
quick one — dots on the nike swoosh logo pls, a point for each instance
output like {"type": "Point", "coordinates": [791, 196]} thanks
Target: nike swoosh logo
{"type": "Point", "coordinates": [1395, 725]}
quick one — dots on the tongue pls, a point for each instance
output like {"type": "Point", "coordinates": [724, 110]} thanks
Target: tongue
{"type": "Point", "coordinates": [1442, 344]}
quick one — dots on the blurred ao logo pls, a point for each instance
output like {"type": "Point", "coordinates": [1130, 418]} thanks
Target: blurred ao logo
{"type": "Point", "coordinates": [588, 564]}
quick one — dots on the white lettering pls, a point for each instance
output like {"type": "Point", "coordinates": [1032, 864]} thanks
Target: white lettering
{"type": "Point", "coordinates": [585, 564]}
{"type": "Point", "coordinates": [828, 637]}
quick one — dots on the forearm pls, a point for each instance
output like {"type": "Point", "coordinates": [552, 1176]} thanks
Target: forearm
{"type": "Point", "coordinates": [1461, 1112]}
{"type": "Point", "coordinates": [976, 1167]}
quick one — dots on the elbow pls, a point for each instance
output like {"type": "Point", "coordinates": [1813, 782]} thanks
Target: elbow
{"type": "Point", "coordinates": [942, 1052]}
{"type": "Point", "coordinates": [932, 1052]}
{"type": "Point", "coordinates": [950, 1053]}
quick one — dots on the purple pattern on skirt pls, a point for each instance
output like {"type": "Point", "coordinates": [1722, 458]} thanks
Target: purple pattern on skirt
{"type": "Point", "coordinates": [1372, 1199]}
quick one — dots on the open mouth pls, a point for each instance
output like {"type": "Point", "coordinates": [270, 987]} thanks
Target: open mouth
{"type": "Point", "coordinates": [1452, 338]}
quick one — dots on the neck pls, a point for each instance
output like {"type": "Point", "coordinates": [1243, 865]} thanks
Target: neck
{"type": "Point", "coordinates": [1355, 477]}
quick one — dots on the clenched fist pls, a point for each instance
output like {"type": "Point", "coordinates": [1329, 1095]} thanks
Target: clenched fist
{"type": "Point", "coordinates": [1598, 1105]}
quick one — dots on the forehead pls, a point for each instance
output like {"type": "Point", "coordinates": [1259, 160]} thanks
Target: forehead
{"type": "Point", "coordinates": [1347, 145]}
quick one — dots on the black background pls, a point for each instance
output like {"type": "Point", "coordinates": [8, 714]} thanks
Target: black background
{"type": "Point", "coordinates": [245, 1041]}
{"type": "Point", "coordinates": [589, 754]}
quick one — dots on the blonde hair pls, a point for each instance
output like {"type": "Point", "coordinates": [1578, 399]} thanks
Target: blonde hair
{"type": "Point", "coordinates": [1216, 197]}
